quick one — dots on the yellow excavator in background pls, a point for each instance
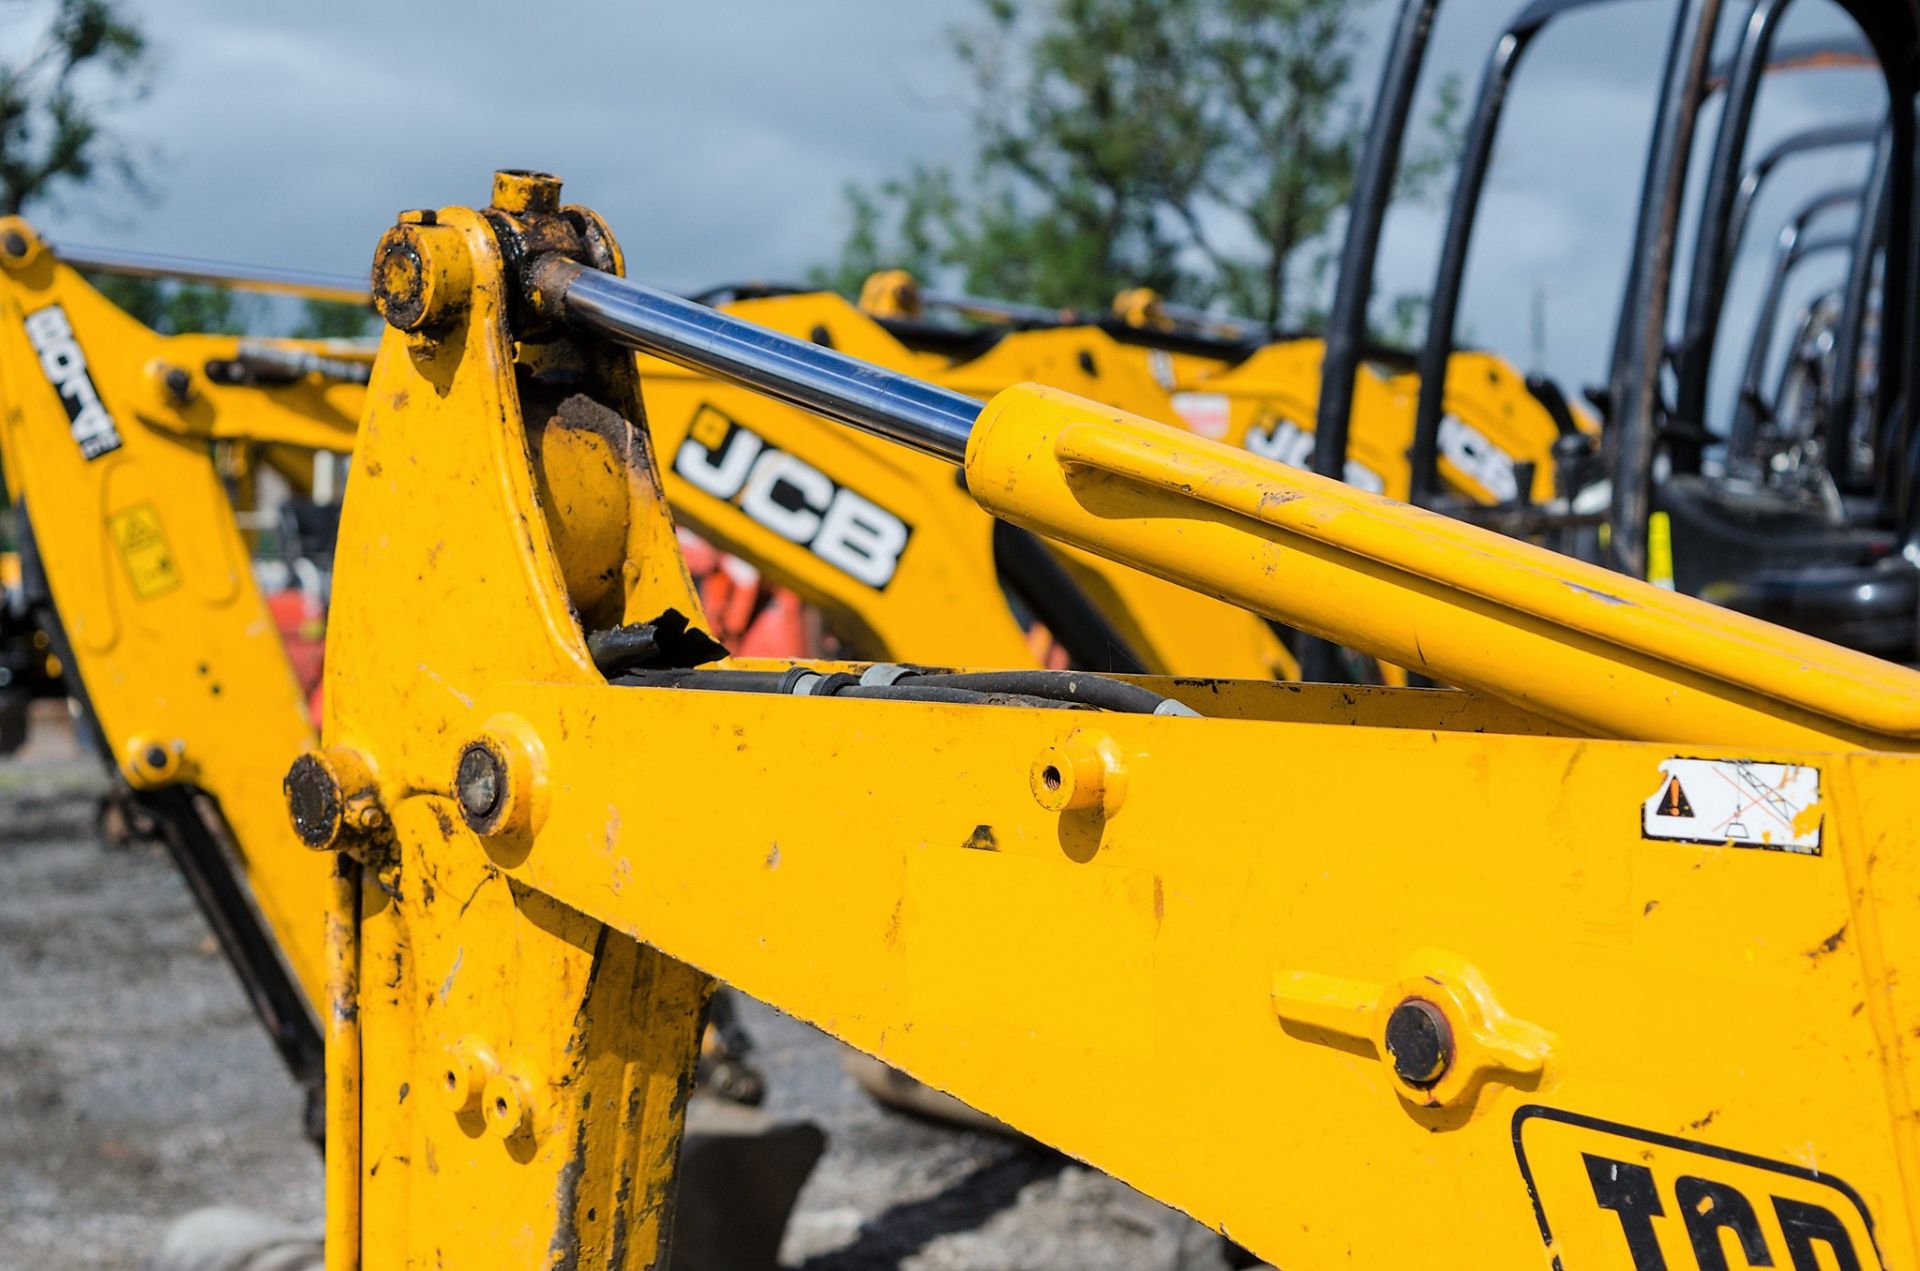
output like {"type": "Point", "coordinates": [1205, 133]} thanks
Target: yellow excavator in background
{"type": "Point", "coordinates": [1232, 380]}
{"type": "Point", "coordinates": [116, 443]}
{"type": "Point", "coordinates": [891, 548]}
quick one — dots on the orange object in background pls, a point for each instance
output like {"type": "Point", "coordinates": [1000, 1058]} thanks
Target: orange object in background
{"type": "Point", "coordinates": [744, 612]}
{"type": "Point", "coordinates": [753, 618]}
{"type": "Point", "coordinates": [302, 622]}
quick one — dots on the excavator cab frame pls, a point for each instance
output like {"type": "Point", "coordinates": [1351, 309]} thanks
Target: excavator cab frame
{"type": "Point", "coordinates": [1642, 422]}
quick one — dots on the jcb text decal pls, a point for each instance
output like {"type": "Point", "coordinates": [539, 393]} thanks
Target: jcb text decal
{"type": "Point", "coordinates": [1287, 442]}
{"type": "Point", "coordinates": [791, 497]}
{"type": "Point", "coordinates": [1475, 455]}
{"type": "Point", "coordinates": [65, 367]}
{"type": "Point", "coordinates": [1612, 1198]}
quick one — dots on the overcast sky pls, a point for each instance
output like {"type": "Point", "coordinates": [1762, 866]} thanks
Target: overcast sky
{"type": "Point", "coordinates": [716, 137]}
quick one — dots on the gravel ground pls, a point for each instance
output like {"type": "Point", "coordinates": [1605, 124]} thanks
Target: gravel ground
{"type": "Point", "coordinates": [135, 1086]}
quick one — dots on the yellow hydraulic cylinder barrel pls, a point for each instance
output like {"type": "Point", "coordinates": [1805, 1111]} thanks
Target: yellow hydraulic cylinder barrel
{"type": "Point", "coordinates": [1595, 650]}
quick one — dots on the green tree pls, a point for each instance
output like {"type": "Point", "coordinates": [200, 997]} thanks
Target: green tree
{"type": "Point", "coordinates": [1200, 147]}
{"type": "Point", "coordinates": [328, 320]}
{"type": "Point", "coordinates": [172, 308]}
{"type": "Point", "coordinates": [89, 62]}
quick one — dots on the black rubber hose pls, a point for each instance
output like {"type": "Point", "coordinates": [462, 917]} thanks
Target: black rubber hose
{"type": "Point", "coordinates": [916, 692]}
{"type": "Point", "coordinates": [724, 681]}
{"type": "Point", "coordinates": [1061, 686]}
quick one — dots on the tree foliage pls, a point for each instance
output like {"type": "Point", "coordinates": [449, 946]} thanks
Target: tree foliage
{"type": "Point", "coordinates": [174, 308]}
{"type": "Point", "coordinates": [55, 102]}
{"type": "Point", "coordinates": [1200, 147]}
{"type": "Point", "coordinates": [328, 320]}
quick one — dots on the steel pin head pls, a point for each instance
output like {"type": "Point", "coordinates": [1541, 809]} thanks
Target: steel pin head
{"type": "Point", "coordinates": [479, 783]}
{"type": "Point", "coordinates": [1420, 1042]}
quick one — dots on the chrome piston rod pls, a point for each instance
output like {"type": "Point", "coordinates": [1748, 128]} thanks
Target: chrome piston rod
{"type": "Point", "coordinates": [897, 407]}
{"type": "Point", "coordinates": [135, 264]}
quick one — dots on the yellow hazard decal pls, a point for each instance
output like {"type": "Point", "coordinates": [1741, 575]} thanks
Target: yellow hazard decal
{"type": "Point", "coordinates": [1612, 1198]}
{"type": "Point", "coordinates": [143, 546]}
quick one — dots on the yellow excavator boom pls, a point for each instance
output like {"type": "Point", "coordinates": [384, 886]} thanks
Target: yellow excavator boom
{"type": "Point", "coordinates": [1621, 988]}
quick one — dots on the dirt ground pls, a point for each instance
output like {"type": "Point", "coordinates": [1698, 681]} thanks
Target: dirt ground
{"type": "Point", "coordinates": [135, 1086]}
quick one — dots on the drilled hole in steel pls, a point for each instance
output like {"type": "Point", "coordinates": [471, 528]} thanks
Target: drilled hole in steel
{"type": "Point", "coordinates": [156, 757]}
{"type": "Point", "coordinates": [1050, 777]}
{"type": "Point", "coordinates": [500, 1107]}
{"type": "Point", "coordinates": [453, 1079]}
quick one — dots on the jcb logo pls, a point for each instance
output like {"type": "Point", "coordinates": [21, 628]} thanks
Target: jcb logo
{"type": "Point", "coordinates": [1475, 455]}
{"type": "Point", "coordinates": [65, 367]}
{"type": "Point", "coordinates": [1611, 1197]}
{"type": "Point", "coordinates": [792, 498]}
{"type": "Point", "coordinates": [1284, 441]}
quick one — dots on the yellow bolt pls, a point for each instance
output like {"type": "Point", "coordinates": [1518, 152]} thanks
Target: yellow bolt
{"type": "Point", "coordinates": [1078, 774]}
{"type": "Point", "coordinates": [151, 762]}
{"type": "Point", "coordinates": [468, 1067]}
{"type": "Point", "coordinates": [891, 293]}
{"type": "Point", "coordinates": [522, 192]}
{"type": "Point", "coordinates": [422, 274]}
{"type": "Point", "coordinates": [332, 794]}
{"type": "Point", "coordinates": [172, 386]}
{"type": "Point", "coordinates": [499, 779]}
{"type": "Point", "coordinates": [18, 243]}
{"type": "Point", "coordinates": [507, 1106]}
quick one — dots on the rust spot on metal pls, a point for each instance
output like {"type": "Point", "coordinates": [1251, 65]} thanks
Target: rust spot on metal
{"type": "Point", "coordinates": [1651, 906]}
{"type": "Point", "coordinates": [982, 840]}
{"type": "Point", "coordinates": [773, 857]}
{"type": "Point", "coordinates": [1704, 1121]}
{"type": "Point", "coordinates": [1828, 945]}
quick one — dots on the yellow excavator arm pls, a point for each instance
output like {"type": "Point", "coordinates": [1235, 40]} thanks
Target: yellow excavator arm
{"type": "Point", "coordinates": [1599, 963]}
{"type": "Point", "coordinates": [108, 441]}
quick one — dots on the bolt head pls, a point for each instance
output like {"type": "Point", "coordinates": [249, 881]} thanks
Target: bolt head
{"type": "Point", "coordinates": [479, 784]}
{"type": "Point", "coordinates": [462, 1079]}
{"type": "Point", "coordinates": [400, 279]}
{"type": "Point", "coordinates": [505, 1105]}
{"type": "Point", "coordinates": [1420, 1042]}
{"type": "Point", "coordinates": [313, 801]}
{"type": "Point", "coordinates": [521, 192]}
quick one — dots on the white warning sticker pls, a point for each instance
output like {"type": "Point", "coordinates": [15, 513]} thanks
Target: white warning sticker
{"type": "Point", "coordinates": [1774, 806]}
{"type": "Point", "coordinates": [1207, 414]}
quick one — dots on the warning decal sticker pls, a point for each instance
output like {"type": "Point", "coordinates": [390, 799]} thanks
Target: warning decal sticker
{"type": "Point", "coordinates": [150, 563]}
{"type": "Point", "coordinates": [1772, 806]}
{"type": "Point", "coordinates": [1207, 414]}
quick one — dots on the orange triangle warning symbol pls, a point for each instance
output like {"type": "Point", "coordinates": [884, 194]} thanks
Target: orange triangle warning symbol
{"type": "Point", "coordinates": [1674, 801]}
